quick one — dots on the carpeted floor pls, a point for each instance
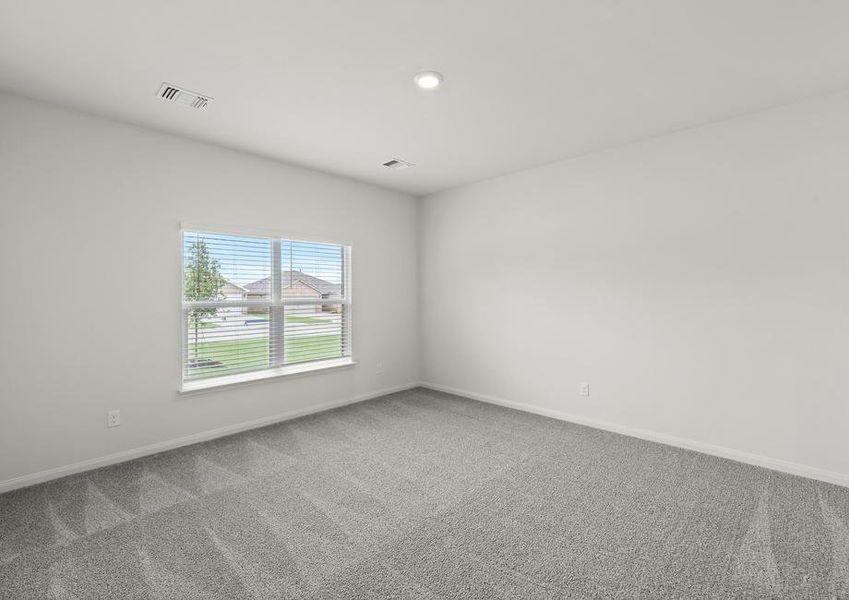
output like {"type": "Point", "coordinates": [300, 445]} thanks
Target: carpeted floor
{"type": "Point", "coordinates": [425, 495]}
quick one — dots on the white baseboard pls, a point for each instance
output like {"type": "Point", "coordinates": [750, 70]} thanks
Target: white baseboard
{"type": "Point", "coordinates": [721, 451]}
{"type": "Point", "coordinates": [125, 455]}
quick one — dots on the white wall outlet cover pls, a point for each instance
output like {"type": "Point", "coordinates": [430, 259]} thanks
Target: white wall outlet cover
{"type": "Point", "coordinates": [585, 389]}
{"type": "Point", "coordinates": [113, 418]}
{"type": "Point", "coordinates": [378, 368]}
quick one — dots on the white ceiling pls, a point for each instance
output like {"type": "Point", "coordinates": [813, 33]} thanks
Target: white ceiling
{"type": "Point", "coordinates": [328, 83]}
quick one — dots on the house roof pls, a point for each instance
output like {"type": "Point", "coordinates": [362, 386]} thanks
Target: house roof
{"type": "Point", "coordinates": [235, 285]}
{"type": "Point", "coordinates": [262, 286]}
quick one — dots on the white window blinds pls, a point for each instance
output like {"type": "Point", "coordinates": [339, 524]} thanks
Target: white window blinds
{"type": "Point", "coordinates": [257, 303]}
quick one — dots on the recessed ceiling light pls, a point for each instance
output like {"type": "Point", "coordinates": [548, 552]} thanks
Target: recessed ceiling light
{"type": "Point", "coordinates": [428, 80]}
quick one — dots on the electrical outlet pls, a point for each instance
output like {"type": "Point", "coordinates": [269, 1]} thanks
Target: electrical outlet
{"type": "Point", "coordinates": [113, 418]}
{"type": "Point", "coordinates": [378, 368]}
{"type": "Point", "coordinates": [585, 389]}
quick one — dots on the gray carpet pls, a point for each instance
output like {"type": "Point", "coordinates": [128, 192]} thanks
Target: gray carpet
{"type": "Point", "coordinates": [426, 495]}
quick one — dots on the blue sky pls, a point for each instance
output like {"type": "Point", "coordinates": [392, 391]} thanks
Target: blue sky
{"type": "Point", "coordinates": [246, 259]}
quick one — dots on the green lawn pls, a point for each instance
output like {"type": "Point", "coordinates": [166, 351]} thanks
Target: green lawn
{"type": "Point", "coordinates": [305, 320]}
{"type": "Point", "coordinates": [289, 318]}
{"type": "Point", "coordinates": [230, 357]}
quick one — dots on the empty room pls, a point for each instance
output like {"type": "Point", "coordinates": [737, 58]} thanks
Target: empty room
{"type": "Point", "coordinates": [421, 299]}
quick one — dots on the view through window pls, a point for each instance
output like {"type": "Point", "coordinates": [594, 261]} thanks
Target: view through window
{"type": "Point", "coordinates": [258, 303]}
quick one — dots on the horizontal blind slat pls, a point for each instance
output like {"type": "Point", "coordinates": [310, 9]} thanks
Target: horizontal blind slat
{"type": "Point", "coordinates": [229, 316]}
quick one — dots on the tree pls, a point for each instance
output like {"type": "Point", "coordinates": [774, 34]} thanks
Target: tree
{"type": "Point", "coordinates": [203, 282]}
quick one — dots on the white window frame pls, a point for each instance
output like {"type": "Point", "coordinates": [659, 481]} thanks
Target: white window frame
{"type": "Point", "coordinates": [276, 305]}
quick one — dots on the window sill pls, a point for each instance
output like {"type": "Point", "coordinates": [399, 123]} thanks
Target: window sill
{"type": "Point", "coordinates": [302, 369]}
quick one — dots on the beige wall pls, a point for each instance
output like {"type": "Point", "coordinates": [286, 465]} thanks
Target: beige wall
{"type": "Point", "coordinates": [298, 290]}
{"type": "Point", "coordinates": [232, 291]}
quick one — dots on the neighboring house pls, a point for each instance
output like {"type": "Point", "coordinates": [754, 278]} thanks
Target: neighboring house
{"type": "Point", "coordinates": [232, 291]}
{"type": "Point", "coordinates": [296, 284]}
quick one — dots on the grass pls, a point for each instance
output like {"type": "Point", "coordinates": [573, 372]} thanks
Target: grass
{"type": "Point", "coordinates": [305, 320]}
{"type": "Point", "coordinates": [237, 356]}
{"type": "Point", "coordinates": [289, 318]}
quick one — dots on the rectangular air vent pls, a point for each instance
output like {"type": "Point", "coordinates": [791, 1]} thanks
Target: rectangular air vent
{"type": "Point", "coordinates": [182, 96]}
{"type": "Point", "coordinates": [397, 164]}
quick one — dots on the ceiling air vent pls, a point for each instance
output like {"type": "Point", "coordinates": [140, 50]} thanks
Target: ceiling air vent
{"type": "Point", "coordinates": [184, 97]}
{"type": "Point", "coordinates": [397, 164]}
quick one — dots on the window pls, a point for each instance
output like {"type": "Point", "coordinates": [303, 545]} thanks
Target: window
{"type": "Point", "coordinates": [258, 307]}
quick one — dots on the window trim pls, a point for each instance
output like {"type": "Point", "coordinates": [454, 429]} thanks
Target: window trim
{"type": "Point", "coordinates": [306, 368]}
{"type": "Point", "coordinates": [189, 386]}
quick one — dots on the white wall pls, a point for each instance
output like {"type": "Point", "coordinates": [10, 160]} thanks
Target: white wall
{"type": "Point", "coordinates": [699, 282]}
{"type": "Point", "coordinates": [89, 258]}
